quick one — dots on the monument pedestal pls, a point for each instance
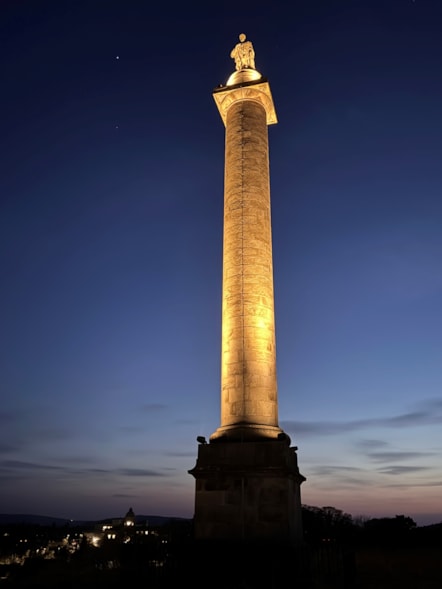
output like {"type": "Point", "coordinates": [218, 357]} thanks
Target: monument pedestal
{"type": "Point", "coordinates": [248, 492]}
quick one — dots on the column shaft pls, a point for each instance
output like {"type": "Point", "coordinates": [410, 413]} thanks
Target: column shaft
{"type": "Point", "coordinates": [248, 362]}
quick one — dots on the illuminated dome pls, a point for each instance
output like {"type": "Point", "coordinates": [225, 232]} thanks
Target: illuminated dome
{"type": "Point", "coordinates": [242, 76]}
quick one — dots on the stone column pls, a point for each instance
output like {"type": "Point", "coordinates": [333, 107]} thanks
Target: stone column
{"type": "Point", "coordinates": [247, 476]}
{"type": "Point", "coordinates": [249, 401]}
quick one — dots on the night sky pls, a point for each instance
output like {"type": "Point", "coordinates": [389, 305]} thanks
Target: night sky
{"type": "Point", "coordinates": [111, 188]}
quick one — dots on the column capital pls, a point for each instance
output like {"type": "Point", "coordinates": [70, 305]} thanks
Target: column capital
{"type": "Point", "coordinates": [255, 90]}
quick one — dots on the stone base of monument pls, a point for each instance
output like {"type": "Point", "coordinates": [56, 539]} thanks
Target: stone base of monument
{"type": "Point", "coordinates": [248, 492]}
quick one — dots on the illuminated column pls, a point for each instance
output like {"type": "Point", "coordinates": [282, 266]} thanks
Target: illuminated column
{"type": "Point", "coordinates": [249, 402]}
{"type": "Point", "coordinates": [247, 476]}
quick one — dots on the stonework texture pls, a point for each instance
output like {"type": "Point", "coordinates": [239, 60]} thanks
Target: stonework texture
{"type": "Point", "coordinates": [248, 362]}
{"type": "Point", "coordinates": [248, 491]}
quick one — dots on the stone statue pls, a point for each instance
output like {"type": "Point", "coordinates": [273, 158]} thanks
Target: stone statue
{"type": "Point", "coordinates": [243, 54]}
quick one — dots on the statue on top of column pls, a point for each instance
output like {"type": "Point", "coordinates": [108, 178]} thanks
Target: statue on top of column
{"type": "Point", "coordinates": [243, 54]}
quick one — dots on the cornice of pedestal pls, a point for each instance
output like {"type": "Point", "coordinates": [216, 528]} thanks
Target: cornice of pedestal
{"type": "Point", "coordinates": [256, 90]}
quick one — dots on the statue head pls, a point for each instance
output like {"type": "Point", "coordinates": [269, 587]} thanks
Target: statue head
{"type": "Point", "coordinates": [242, 37]}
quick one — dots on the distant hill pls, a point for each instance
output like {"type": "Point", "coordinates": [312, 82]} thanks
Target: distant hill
{"type": "Point", "coordinates": [43, 520]}
{"type": "Point", "coordinates": [27, 518]}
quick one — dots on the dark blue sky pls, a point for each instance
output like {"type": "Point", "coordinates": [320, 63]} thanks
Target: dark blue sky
{"type": "Point", "coordinates": [111, 188]}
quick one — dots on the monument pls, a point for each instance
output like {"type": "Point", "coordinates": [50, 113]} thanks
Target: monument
{"type": "Point", "coordinates": [247, 477]}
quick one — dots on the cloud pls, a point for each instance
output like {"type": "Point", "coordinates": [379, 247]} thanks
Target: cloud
{"type": "Point", "coordinates": [342, 476]}
{"type": "Point", "coordinates": [18, 467]}
{"type": "Point", "coordinates": [414, 418]}
{"type": "Point", "coordinates": [189, 454]}
{"type": "Point", "coordinates": [22, 465]}
{"type": "Point", "coordinates": [371, 444]}
{"type": "Point", "coordinates": [398, 470]}
{"type": "Point", "coordinates": [99, 470]}
{"type": "Point", "coordinates": [124, 495]}
{"type": "Point", "coordinates": [325, 427]}
{"type": "Point", "coordinates": [429, 413]}
{"type": "Point", "coordinates": [326, 470]}
{"type": "Point", "coordinates": [412, 485]}
{"type": "Point", "coordinates": [77, 459]}
{"type": "Point", "coordinates": [140, 472]}
{"type": "Point", "coordinates": [16, 437]}
{"type": "Point", "coordinates": [394, 456]}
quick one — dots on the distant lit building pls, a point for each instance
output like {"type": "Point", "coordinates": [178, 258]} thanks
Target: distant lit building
{"type": "Point", "coordinates": [123, 530]}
